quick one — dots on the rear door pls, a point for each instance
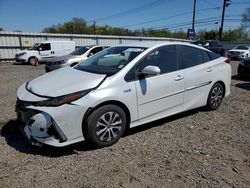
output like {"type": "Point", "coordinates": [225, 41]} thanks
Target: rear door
{"type": "Point", "coordinates": [160, 95]}
{"type": "Point", "coordinates": [198, 72]}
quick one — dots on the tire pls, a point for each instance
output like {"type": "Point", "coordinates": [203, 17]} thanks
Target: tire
{"type": "Point", "coordinates": [101, 131]}
{"type": "Point", "coordinates": [215, 96]}
{"type": "Point", "coordinates": [241, 74]}
{"type": "Point", "coordinates": [32, 60]}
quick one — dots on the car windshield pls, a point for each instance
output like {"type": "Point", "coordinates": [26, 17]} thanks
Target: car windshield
{"type": "Point", "coordinates": [80, 51]}
{"type": "Point", "coordinates": [110, 60]}
{"type": "Point", "coordinates": [35, 47]}
{"type": "Point", "coordinates": [241, 47]}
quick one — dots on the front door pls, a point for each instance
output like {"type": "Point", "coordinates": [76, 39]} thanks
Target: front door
{"type": "Point", "coordinates": [45, 50]}
{"type": "Point", "coordinates": [160, 95]}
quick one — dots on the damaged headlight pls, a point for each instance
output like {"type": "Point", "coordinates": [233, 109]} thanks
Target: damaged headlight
{"type": "Point", "coordinates": [65, 99]}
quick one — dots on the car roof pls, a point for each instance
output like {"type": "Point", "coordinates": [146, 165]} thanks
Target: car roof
{"type": "Point", "coordinates": [149, 44]}
{"type": "Point", "coordinates": [153, 44]}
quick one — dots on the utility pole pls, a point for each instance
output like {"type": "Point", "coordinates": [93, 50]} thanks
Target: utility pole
{"type": "Point", "coordinates": [194, 12]}
{"type": "Point", "coordinates": [94, 28]}
{"type": "Point", "coordinates": [225, 4]}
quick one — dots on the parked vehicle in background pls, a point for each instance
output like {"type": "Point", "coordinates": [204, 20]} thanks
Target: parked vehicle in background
{"type": "Point", "coordinates": [80, 54]}
{"type": "Point", "coordinates": [45, 49]}
{"type": "Point", "coordinates": [213, 45]}
{"type": "Point", "coordinates": [118, 88]}
{"type": "Point", "coordinates": [244, 68]}
{"type": "Point", "coordinates": [239, 52]}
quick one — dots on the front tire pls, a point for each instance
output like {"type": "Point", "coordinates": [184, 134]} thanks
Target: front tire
{"type": "Point", "coordinates": [215, 96]}
{"type": "Point", "coordinates": [106, 125]}
{"type": "Point", "coordinates": [32, 60]}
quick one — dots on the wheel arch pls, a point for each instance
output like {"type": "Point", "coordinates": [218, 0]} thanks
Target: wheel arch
{"type": "Point", "coordinates": [30, 58]}
{"type": "Point", "coordinates": [110, 102]}
{"type": "Point", "coordinates": [223, 85]}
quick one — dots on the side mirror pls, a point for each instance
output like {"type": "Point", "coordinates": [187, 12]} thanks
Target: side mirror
{"type": "Point", "coordinates": [73, 64]}
{"type": "Point", "coordinates": [90, 54]}
{"type": "Point", "coordinates": [151, 70]}
{"type": "Point", "coordinates": [207, 45]}
{"type": "Point", "coordinates": [40, 49]}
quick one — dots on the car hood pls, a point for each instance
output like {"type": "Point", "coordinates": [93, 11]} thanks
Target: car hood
{"type": "Point", "coordinates": [21, 51]}
{"type": "Point", "coordinates": [59, 58]}
{"type": "Point", "coordinates": [64, 81]}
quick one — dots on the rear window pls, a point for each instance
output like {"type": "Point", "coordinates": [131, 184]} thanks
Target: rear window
{"type": "Point", "coordinates": [191, 56]}
{"type": "Point", "coordinates": [213, 55]}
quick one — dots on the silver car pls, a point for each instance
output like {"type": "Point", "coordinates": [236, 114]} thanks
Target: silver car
{"type": "Point", "coordinates": [79, 55]}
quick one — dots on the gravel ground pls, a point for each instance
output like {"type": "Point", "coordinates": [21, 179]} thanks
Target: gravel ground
{"type": "Point", "coordinates": [193, 149]}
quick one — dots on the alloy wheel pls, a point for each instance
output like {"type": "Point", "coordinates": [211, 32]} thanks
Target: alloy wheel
{"type": "Point", "coordinates": [216, 97]}
{"type": "Point", "coordinates": [109, 126]}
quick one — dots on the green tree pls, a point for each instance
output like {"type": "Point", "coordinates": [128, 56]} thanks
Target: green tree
{"type": "Point", "coordinates": [75, 26]}
{"type": "Point", "coordinates": [239, 34]}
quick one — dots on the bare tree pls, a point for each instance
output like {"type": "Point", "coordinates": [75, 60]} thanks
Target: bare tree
{"type": "Point", "coordinates": [246, 17]}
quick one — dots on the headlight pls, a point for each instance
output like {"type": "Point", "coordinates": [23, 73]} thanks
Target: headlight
{"type": "Point", "coordinates": [65, 99]}
{"type": "Point", "coordinates": [21, 54]}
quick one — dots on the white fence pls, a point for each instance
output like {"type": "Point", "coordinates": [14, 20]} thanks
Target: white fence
{"type": "Point", "coordinates": [10, 42]}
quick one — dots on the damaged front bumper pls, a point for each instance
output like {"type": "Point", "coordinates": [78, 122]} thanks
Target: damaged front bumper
{"type": "Point", "coordinates": [41, 124]}
{"type": "Point", "coordinates": [39, 127]}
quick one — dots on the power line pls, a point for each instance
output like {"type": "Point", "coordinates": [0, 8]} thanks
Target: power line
{"type": "Point", "coordinates": [169, 17]}
{"type": "Point", "coordinates": [134, 10]}
{"type": "Point", "coordinates": [238, 3]}
{"type": "Point", "coordinates": [205, 20]}
{"type": "Point", "coordinates": [209, 3]}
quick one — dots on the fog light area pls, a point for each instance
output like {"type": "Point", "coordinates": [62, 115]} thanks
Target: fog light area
{"type": "Point", "coordinates": [39, 125]}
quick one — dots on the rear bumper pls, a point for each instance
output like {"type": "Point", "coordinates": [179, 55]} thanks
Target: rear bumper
{"type": "Point", "coordinates": [244, 70]}
{"type": "Point", "coordinates": [235, 56]}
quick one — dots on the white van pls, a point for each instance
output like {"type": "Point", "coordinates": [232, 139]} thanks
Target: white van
{"type": "Point", "coordinates": [45, 49]}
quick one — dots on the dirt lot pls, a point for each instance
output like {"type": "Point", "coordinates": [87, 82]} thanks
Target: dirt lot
{"type": "Point", "coordinates": [194, 149]}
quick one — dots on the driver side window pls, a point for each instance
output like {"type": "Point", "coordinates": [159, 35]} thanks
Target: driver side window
{"type": "Point", "coordinates": [163, 57]}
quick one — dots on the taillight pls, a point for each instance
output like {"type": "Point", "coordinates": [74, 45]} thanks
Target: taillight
{"type": "Point", "coordinates": [227, 61]}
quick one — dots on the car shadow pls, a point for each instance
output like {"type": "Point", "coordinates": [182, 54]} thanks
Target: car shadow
{"type": "Point", "coordinates": [245, 86]}
{"type": "Point", "coordinates": [17, 140]}
{"type": "Point", "coordinates": [25, 63]}
{"type": "Point", "coordinates": [20, 63]}
{"type": "Point", "coordinates": [236, 77]}
{"type": "Point", "coordinates": [163, 121]}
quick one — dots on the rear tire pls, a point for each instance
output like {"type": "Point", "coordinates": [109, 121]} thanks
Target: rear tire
{"type": "Point", "coordinates": [215, 96]}
{"type": "Point", "coordinates": [105, 125]}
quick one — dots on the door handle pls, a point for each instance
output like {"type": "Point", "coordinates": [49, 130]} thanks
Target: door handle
{"type": "Point", "coordinates": [178, 78]}
{"type": "Point", "coordinates": [210, 69]}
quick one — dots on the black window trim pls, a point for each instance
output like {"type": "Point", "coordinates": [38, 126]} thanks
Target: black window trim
{"type": "Point", "coordinates": [179, 62]}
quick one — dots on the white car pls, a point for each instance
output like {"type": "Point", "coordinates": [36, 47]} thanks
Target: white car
{"type": "Point", "coordinates": [45, 49]}
{"type": "Point", "coordinates": [121, 87]}
{"type": "Point", "coordinates": [79, 55]}
{"type": "Point", "coordinates": [239, 52]}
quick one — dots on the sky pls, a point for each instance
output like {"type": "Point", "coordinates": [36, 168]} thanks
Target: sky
{"type": "Point", "coordinates": [34, 15]}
